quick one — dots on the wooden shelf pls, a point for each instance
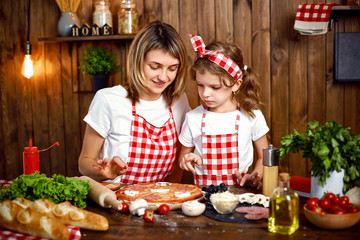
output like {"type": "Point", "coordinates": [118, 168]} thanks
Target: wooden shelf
{"type": "Point", "coordinates": [345, 11]}
{"type": "Point", "coordinates": [88, 38]}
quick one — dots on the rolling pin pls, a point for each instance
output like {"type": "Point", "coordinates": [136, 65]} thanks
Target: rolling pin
{"type": "Point", "coordinates": [102, 195]}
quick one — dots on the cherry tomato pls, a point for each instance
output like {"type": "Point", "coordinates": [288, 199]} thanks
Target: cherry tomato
{"type": "Point", "coordinates": [336, 209]}
{"type": "Point", "coordinates": [352, 210]}
{"type": "Point", "coordinates": [148, 216]}
{"type": "Point", "coordinates": [325, 204]}
{"type": "Point", "coordinates": [330, 196]}
{"type": "Point", "coordinates": [335, 201]}
{"type": "Point", "coordinates": [124, 207]}
{"type": "Point", "coordinates": [318, 209]}
{"type": "Point", "coordinates": [312, 202]}
{"type": "Point", "coordinates": [344, 201]}
{"type": "Point", "coordinates": [163, 209]}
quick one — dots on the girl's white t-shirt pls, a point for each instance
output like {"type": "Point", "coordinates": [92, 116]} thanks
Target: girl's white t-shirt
{"type": "Point", "coordinates": [250, 129]}
{"type": "Point", "coordinates": [110, 114]}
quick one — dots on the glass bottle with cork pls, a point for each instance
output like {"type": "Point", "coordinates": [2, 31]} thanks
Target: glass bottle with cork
{"type": "Point", "coordinates": [284, 208]}
{"type": "Point", "coordinates": [102, 14]}
{"type": "Point", "coordinates": [128, 22]}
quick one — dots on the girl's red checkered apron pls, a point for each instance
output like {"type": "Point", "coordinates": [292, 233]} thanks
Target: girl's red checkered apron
{"type": "Point", "coordinates": [152, 150]}
{"type": "Point", "coordinates": [75, 233]}
{"type": "Point", "coordinates": [220, 157]}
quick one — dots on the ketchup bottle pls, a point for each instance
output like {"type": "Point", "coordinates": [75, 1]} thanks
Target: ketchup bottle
{"type": "Point", "coordinates": [31, 160]}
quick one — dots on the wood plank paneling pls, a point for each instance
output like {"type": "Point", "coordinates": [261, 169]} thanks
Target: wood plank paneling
{"type": "Point", "coordinates": [224, 20]}
{"type": "Point", "coordinates": [261, 51]}
{"type": "Point", "coordinates": [296, 72]}
{"type": "Point", "coordinates": [297, 89]}
{"type": "Point", "coordinates": [189, 11]}
{"type": "Point", "coordinates": [280, 27]}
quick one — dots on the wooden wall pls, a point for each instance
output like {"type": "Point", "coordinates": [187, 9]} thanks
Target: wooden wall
{"type": "Point", "coordinates": [296, 72]}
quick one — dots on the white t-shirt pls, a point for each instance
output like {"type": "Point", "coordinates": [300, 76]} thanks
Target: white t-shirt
{"type": "Point", "coordinates": [250, 129]}
{"type": "Point", "coordinates": [110, 114]}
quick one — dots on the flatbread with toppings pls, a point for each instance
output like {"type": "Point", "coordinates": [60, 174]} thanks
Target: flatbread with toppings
{"type": "Point", "coordinates": [160, 192]}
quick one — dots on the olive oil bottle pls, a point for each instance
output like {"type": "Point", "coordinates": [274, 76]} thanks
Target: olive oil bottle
{"type": "Point", "coordinates": [284, 208]}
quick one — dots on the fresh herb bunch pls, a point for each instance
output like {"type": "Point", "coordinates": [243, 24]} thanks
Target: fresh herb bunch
{"type": "Point", "coordinates": [98, 60]}
{"type": "Point", "coordinates": [329, 147]}
{"type": "Point", "coordinates": [57, 189]}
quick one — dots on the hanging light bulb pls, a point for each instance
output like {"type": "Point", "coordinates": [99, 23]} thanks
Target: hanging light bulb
{"type": "Point", "coordinates": [28, 71]}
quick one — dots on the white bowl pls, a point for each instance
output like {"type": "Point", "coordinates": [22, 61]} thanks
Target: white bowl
{"type": "Point", "coordinates": [193, 208]}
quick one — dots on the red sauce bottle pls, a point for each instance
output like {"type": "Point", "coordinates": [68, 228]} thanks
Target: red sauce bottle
{"type": "Point", "coordinates": [31, 160]}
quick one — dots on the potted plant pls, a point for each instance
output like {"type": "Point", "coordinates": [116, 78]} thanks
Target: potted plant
{"type": "Point", "coordinates": [99, 63]}
{"type": "Point", "coordinates": [330, 149]}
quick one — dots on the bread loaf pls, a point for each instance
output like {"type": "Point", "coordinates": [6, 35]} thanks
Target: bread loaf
{"type": "Point", "coordinates": [15, 217]}
{"type": "Point", "coordinates": [68, 214]}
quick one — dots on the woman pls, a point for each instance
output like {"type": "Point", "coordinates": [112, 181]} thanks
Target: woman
{"type": "Point", "coordinates": [132, 131]}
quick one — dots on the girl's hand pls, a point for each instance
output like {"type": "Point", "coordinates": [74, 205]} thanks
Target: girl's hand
{"type": "Point", "coordinates": [252, 179]}
{"type": "Point", "coordinates": [189, 160]}
{"type": "Point", "coordinates": [110, 168]}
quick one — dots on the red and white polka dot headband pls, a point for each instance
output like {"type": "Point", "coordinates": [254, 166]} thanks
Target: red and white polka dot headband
{"type": "Point", "coordinates": [220, 59]}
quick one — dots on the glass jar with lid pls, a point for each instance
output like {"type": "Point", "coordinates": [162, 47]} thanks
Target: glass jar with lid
{"type": "Point", "coordinates": [102, 13]}
{"type": "Point", "coordinates": [128, 18]}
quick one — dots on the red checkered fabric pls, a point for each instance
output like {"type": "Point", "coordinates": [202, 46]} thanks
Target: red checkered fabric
{"type": "Point", "coordinates": [75, 234]}
{"type": "Point", "coordinates": [220, 59]}
{"type": "Point", "coordinates": [220, 157]}
{"type": "Point", "coordinates": [152, 150]}
{"type": "Point", "coordinates": [5, 183]}
{"type": "Point", "coordinates": [317, 12]}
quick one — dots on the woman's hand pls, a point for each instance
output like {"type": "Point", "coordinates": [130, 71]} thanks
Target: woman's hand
{"type": "Point", "coordinates": [110, 168]}
{"type": "Point", "coordinates": [252, 180]}
{"type": "Point", "coordinates": [189, 160]}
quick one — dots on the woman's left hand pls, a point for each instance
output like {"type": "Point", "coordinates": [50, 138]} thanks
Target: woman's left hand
{"type": "Point", "coordinates": [252, 179]}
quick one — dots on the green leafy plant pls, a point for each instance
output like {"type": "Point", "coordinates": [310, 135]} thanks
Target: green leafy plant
{"type": "Point", "coordinates": [98, 60]}
{"type": "Point", "coordinates": [329, 147]}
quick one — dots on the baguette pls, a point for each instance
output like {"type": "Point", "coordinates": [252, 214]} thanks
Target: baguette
{"type": "Point", "coordinates": [68, 214]}
{"type": "Point", "coordinates": [25, 220]}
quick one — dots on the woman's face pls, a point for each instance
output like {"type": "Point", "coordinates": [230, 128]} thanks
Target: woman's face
{"type": "Point", "coordinates": [214, 93]}
{"type": "Point", "coordinates": [160, 69]}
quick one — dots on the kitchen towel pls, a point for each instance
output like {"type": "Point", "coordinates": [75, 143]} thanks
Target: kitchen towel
{"type": "Point", "coordinates": [313, 19]}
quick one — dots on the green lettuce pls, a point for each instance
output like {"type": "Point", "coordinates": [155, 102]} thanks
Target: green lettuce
{"type": "Point", "coordinates": [57, 189]}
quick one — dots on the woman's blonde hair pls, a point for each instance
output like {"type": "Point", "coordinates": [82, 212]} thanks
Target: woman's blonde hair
{"type": "Point", "coordinates": [248, 94]}
{"type": "Point", "coordinates": [155, 35]}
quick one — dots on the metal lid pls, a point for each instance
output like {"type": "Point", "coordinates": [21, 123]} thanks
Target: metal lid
{"type": "Point", "coordinates": [127, 4]}
{"type": "Point", "coordinates": [270, 156]}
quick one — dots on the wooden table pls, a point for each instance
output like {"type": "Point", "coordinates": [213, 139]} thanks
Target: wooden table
{"type": "Point", "coordinates": [176, 225]}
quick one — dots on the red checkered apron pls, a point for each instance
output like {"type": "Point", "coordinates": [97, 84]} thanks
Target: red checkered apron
{"type": "Point", "coordinates": [220, 157]}
{"type": "Point", "coordinates": [152, 150]}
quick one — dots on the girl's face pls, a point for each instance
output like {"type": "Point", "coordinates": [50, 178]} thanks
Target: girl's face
{"type": "Point", "coordinates": [160, 69]}
{"type": "Point", "coordinates": [215, 94]}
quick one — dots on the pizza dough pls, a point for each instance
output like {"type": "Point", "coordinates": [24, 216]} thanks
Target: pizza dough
{"type": "Point", "coordinates": [160, 192]}
{"type": "Point", "coordinates": [112, 186]}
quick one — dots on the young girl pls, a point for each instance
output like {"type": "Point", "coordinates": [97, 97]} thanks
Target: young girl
{"type": "Point", "coordinates": [132, 131]}
{"type": "Point", "coordinates": [217, 138]}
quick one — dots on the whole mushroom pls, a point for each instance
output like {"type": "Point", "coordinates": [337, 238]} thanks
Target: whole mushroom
{"type": "Point", "coordinates": [138, 207]}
